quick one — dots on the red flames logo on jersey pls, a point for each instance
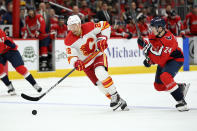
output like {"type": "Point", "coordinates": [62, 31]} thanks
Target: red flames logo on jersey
{"type": "Point", "coordinates": [88, 47]}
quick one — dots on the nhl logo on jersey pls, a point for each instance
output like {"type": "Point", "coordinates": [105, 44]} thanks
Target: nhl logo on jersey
{"type": "Point", "coordinates": [29, 54]}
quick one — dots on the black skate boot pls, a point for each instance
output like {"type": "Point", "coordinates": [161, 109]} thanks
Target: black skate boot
{"type": "Point", "coordinates": [179, 95]}
{"type": "Point", "coordinates": [182, 106]}
{"type": "Point", "coordinates": [184, 87]}
{"type": "Point", "coordinates": [43, 63]}
{"type": "Point", "coordinates": [117, 101]}
{"type": "Point", "coordinates": [11, 90]}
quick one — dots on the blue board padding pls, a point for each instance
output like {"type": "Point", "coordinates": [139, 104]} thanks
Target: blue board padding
{"type": "Point", "coordinates": [186, 54]}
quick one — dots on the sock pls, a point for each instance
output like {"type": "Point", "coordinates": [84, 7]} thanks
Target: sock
{"type": "Point", "coordinates": [177, 94]}
{"type": "Point", "coordinates": [31, 80]}
{"type": "Point", "coordinates": [6, 80]}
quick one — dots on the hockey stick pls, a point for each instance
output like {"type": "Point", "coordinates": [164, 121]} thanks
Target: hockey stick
{"type": "Point", "coordinates": [39, 97]}
{"type": "Point", "coordinates": [135, 21]}
{"type": "Point", "coordinates": [30, 98]}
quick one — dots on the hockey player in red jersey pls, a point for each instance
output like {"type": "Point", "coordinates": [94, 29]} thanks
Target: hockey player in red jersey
{"type": "Point", "coordinates": [163, 50]}
{"type": "Point", "coordinates": [174, 24]}
{"type": "Point", "coordinates": [60, 29]}
{"type": "Point", "coordinates": [142, 24]}
{"type": "Point", "coordinates": [190, 22]}
{"type": "Point", "coordinates": [36, 28]}
{"type": "Point", "coordinates": [9, 52]}
{"type": "Point", "coordinates": [82, 42]}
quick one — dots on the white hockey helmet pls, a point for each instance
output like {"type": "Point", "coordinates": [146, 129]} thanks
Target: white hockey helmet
{"type": "Point", "coordinates": [73, 19]}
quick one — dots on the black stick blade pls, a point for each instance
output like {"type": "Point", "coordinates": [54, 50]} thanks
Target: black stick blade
{"type": "Point", "coordinates": [30, 98]}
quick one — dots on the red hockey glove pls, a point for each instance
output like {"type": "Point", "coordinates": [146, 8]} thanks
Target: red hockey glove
{"type": "Point", "coordinates": [102, 44]}
{"type": "Point", "coordinates": [79, 65]}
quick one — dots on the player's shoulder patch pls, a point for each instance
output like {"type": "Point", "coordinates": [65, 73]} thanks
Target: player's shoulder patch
{"type": "Point", "coordinates": [70, 39]}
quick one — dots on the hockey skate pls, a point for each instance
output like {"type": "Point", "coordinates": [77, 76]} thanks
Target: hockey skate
{"type": "Point", "coordinates": [117, 101]}
{"type": "Point", "coordinates": [37, 87]}
{"type": "Point", "coordinates": [11, 90]}
{"type": "Point", "coordinates": [184, 87]}
{"type": "Point", "coordinates": [182, 105]}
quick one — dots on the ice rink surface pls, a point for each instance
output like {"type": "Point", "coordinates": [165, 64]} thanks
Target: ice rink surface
{"type": "Point", "coordinates": [77, 105]}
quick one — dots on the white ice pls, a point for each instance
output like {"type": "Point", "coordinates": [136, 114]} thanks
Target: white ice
{"type": "Point", "coordinates": [77, 105]}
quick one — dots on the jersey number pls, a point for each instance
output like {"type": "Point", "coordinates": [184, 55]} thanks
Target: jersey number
{"type": "Point", "coordinates": [168, 50]}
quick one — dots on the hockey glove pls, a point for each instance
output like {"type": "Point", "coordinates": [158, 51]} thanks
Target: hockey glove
{"type": "Point", "coordinates": [146, 49]}
{"type": "Point", "coordinates": [147, 62]}
{"type": "Point", "coordinates": [129, 35]}
{"type": "Point", "coordinates": [79, 65]}
{"type": "Point", "coordinates": [141, 42]}
{"type": "Point", "coordinates": [102, 44]}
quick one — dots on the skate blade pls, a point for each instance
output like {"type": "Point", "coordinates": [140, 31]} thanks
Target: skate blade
{"type": "Point", "coordinates": [186, 89]}
{"type": "Point", "coordinates": [117, 106]}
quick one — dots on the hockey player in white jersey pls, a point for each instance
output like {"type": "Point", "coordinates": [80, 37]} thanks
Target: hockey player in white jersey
{"type": "Point", "coordinates": [88, 42]}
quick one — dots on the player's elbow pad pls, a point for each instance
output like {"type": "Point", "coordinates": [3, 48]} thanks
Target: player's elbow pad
{"type": "Point", "coordinates": [10, 44]}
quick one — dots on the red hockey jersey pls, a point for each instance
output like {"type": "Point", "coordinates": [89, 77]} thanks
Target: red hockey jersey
{"type": "Point", "coordinates": [143, 27]}
{"type": "Point", "coordinates": [132, 29]}
{"type": "Point", "coordinates": [174, 25]}
{"type": "Point", "coordinates": [6, 43]}
{"type": "Point", "coordinates": [36, 27]}
{"type": "Point", "coordinates": [164, 49]}
{"type": "Point", "coordinates": [61, 31]}
{"type": "Point", "coordinates": [190, 23]}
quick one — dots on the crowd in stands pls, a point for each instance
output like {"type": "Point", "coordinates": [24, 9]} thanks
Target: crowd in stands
{"type": "Point", "coordinates": [120, 14]}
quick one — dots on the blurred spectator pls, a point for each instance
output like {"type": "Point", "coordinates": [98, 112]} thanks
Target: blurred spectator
{"type": "Point", "coordinates": [59, 30]}
{"type": "Point", "coordinates": [7, 17]}
{"type": "Point", "coordinates": [22, 15]}
{"type": "Point", "coordinates": [118, 30]}
{"type": "Point", "coordinates": [133, 6]}
{"type": "Point", "coordinates": [92, 5]}
{"type": "Point", "coordinates": [2, 9]}
{"type": "Point", "coordinates": [53, 17]}
{"type": "Point", "coordinates": [130, 27]}
{"type": "Point", "coordinates": [98, 5]}
{"type": "Point", "coordinates": [44, 12]}
{"type": "Point", "coordinates": [174, 23]}
{"type": "Point", "coordinates": [190, 22]}
{"type": "Point", "coordinates": [86, 11]}
{"type": "Point", "coordinates": [36, 28]}
{"type": "Point", "coordinates": [103, 15]}
{"type": "Point", "coordinates": [142, 24]}
{"type": "Point", "coordinates": [168, 10]}
{"type": "Point", "coordinates": [76, 12]}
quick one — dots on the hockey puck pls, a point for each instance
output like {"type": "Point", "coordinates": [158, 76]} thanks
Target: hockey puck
{"type": "Point", "coordinates": [34, 112]}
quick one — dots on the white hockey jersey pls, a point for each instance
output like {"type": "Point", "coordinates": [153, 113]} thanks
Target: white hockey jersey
{"type": "Point", "coordinates": [84, 45]}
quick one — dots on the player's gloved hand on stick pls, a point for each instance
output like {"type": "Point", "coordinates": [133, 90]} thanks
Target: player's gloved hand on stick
{"type": "Point", "coordinates": [147, 62]}
{"type": "Point", "coordinates": [102, 44]}
{"type": "Point", "coordinates": [146, 49]}
{"type": "Point", "coordinates": [141, 42]}
{"type": "Point", "coordinates": [79, 65]}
